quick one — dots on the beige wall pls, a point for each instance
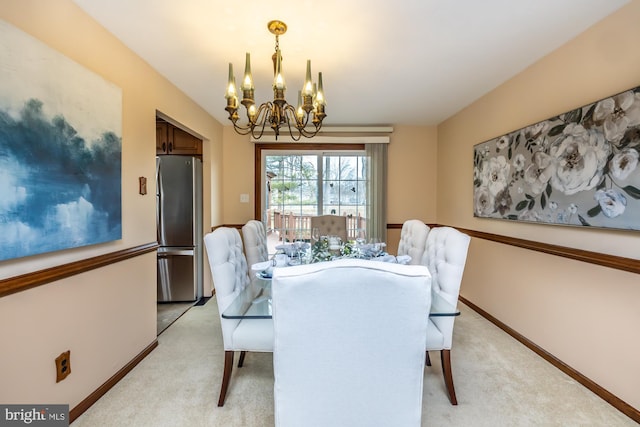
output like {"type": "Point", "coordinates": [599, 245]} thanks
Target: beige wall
{"type": "Point", "coordinates": [412, 178]}
{"type": "Point", "coordinates": [412, 174]}
{"type": "Point", "coordinates": [238, 176]}
{"type": "Point", "coordinates": [585, 315]}
{"type": "Point", "coordinates": [105, 316]}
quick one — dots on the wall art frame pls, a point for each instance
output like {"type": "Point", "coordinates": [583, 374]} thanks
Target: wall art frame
{"type": "Point", "coordinates": [60, 151]}
{"type": "Point", "coordinates": [579, 168]}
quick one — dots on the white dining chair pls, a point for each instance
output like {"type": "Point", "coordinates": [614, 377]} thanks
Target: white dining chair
{"type": "Point", "coordinates": [349, 342]}
{"type": "Point", "coordinates": [230, 277]}
{"type": "Point", "coordinates": [254, 239]}
{"type": "Point", "coordinates": [445, 255]}
{"type": "Point", "coordinates": [413, 239]}
{"type": "Point", "coordinates": [330, 225]}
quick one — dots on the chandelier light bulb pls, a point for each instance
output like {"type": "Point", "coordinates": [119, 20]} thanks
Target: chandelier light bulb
{"type": "Point", "coordinates": [231, 86]}
{"type": "Point", "coordinates": [320, 92]}
{"type": "Point", "coordinates": [279, 78]}
{"type": "Point", "coordinates": [308, 85]}
{"type": "Point", "coordinates": [247, 83]}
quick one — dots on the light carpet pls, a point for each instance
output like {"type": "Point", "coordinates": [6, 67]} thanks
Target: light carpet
{"type": "Point", "coordinates": [169, 312]}
{"type": "Point", "coordinates": [498, 381]}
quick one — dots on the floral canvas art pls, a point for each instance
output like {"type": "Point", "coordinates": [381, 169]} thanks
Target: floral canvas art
{"type": "Point", "coordinates": [60, 151]}
{"type": "Point", "coordinates": [579, 168]}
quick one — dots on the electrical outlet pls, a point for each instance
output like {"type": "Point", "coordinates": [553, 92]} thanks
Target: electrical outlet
{"type": "Point", "coordinates": [63, 366]}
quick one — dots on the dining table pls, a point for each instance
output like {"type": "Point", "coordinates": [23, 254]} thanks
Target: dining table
{"type": "Point", "coordinates": [254, 302]}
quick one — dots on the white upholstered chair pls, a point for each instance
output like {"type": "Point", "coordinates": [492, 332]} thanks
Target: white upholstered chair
{"type": "Point", "coordinates": [349, 342]}
{"type": "Point", "coordinates": [331, 225]}
{"type": "Point", "coordinates": [413, 239]}
{"type": "Point", "coordinates": [445, 255]}
{"type": "Point", "coordinates": [254, 238]}
{"type": "Point", "coordinates": [230, 277]}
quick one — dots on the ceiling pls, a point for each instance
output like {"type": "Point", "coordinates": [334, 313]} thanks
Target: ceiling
{"type": "Point", "coordinates": [410, 62]}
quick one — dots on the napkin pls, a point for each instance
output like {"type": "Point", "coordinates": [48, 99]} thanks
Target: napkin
{"type": "Point", "coordinates": [290, 248]}
{"type": "Point", "coordinates": [261, 266]}
{"type": "Point", "coordinates": [287, 249]}
{"type": "Point", "coordinates": [403, 259]}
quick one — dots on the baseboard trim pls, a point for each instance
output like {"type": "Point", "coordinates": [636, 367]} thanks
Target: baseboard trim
{"type": "Point", "coordinates": [598, 390]}
{"type": "Point", "coordinates": [93, 397]}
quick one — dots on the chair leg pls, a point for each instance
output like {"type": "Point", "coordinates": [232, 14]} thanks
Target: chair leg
{"type": "Point", "coordinates": [445, 357]}
{"type": "Point", "coordinates": [241, 359]}
{"type": "Point", "coordinates": [427, 359]}
{"type": "Point", "coordinates": [226, 376]}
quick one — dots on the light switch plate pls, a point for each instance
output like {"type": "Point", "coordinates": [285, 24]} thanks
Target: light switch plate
{"type": "Point", "coordinates": [244, 198]}
{"type": "Point", "coordinates": [142, 183]}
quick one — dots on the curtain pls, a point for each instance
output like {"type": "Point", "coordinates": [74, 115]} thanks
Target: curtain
{"type": "Point", "coordinates": [377, 191]}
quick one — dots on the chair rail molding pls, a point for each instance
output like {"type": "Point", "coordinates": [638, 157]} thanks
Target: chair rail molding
{"type": "Point", "coordinates": [612, 261]}
{"type": "Point", "coordinates": [41, 277]}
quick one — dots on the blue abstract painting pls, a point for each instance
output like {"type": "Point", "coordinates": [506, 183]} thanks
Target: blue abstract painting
{"type": "Point", "coordinates": [60, 151]}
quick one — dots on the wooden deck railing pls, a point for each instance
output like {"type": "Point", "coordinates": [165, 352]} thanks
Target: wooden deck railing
{"type": "Point", "coordinates": [287, 225]}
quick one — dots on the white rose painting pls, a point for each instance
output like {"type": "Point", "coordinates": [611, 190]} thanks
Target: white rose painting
{"type": "Point", "coordinates": [578, 168]}
{"type": "Point", "coordinates": [60, 151]}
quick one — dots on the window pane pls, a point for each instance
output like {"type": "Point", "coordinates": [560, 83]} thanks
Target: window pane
{"type": "Point", "coordinates": [348, 193]}
{"type": "Point", "coordinates": [348, 167]}
{"type": "Point", "coordinates": [331, 168]}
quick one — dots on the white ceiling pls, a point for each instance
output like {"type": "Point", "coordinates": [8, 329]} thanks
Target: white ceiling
{"type": "Point", "coordinates": [383, 62]}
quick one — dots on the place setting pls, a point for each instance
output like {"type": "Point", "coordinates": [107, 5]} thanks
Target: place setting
{"type": "Point", "coordinates": [324, 249]}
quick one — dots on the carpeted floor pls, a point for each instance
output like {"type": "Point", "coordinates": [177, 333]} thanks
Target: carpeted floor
{"type": "Point", "coordinates": [499, 382]}
{"type": "Point", "coordinates": [169, 312]}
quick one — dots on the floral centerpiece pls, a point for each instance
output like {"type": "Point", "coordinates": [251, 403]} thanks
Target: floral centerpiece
{"type": "Point", "coordinates": [320, 251]}
{"type": "Point", "coordinates": [349, 250]}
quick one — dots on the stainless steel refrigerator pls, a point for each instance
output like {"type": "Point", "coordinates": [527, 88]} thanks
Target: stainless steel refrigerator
{"type": "Point", "coordinates": [179, 220]}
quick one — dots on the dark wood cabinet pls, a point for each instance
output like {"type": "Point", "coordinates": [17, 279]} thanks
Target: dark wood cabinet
{"type": "Point", "coordinates": [173, 140]}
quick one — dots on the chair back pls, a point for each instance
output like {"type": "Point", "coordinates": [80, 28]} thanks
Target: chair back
{"type": "Point", "coordinates": [330, 225]}
{"type": "Point", "coordinates": [349, 343]}
{"type": "Point", "coordinates": [229, 272]}
{"type": "Point", "coordinates": [445, 255]}
{"type": "Point", "coordinates": [413, 239]}
{"type": "Point", "coordinates": [254, 236]}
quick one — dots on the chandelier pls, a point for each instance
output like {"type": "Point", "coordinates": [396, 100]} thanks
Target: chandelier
{"type": "Point", "coordinates": [279, 113]}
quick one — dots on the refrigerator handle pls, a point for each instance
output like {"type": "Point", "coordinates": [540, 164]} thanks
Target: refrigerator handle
{"type": "Point", "coordinates": [159, 216]}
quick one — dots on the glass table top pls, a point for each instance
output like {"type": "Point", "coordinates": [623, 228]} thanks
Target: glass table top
{"type": "Point", "coordinates": [254, 302]}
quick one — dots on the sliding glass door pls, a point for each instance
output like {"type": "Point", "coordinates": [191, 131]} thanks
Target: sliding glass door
{"type": "Point", "coordinates": [303, 184]}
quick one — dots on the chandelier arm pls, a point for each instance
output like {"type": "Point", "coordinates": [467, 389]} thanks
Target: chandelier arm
{"type": "Point", "coordinates": [302, 126]}
{"type": "Point", "coordinates": [260, 116]}
{"type": "Point", "coordinates": [303, 123]}
{"type": "Point", "coordinates": [308, 134]}
{"type": "Point", "coordinates": [290, 115]}
{"type": "Point", "coordinates": [261, 119]}
{"type": "Point", "coordinates": [241, 129]}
